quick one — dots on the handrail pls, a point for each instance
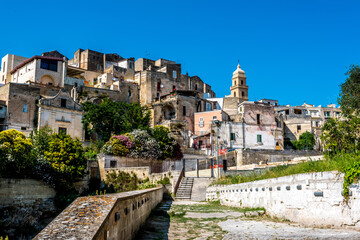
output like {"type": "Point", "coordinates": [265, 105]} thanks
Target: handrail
{"type": "Point", "coordinates": [179, 180]}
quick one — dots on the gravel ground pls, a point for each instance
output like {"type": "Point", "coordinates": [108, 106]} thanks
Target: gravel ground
{"type": "Point", "coordinates": [245, 229]}
{"type": "Point", "coordinates": [200, 220]}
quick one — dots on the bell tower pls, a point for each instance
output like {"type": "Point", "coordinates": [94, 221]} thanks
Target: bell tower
{"type": "Point", "coordinates": [239, 88]}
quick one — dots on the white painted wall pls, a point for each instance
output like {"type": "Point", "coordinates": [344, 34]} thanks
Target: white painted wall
{"type": "Point", "coordinates": [293, 197]}
{"type": "Point", "coordinates": [50, 116]}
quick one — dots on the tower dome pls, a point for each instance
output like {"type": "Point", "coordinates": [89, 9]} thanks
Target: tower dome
{"type": "Point", "coordinates": [239, 72]}
{"type": "Point", "coordinates": [239, 89]}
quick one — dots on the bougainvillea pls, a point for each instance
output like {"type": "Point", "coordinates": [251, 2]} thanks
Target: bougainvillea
{"type": "Point", "coordinates": [118, 145]}
{"type": "Point", "coordinates": [156, 143]}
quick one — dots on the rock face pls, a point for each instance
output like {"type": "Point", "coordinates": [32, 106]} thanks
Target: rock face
{"type": "Point", "coordinates": [26, 207]}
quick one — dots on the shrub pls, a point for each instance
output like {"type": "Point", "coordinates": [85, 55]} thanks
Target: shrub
{"type": "Point", "coordinates": [144, 145]}
{"type": "Point", "coordinates": [15, 154]}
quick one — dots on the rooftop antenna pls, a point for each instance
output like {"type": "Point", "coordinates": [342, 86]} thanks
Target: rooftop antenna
{"type": "Point", "coordinates": [147, 54]}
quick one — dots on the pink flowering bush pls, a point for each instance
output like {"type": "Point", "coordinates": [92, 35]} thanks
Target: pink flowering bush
{"type": "Point", "coordinates": [118, 145]}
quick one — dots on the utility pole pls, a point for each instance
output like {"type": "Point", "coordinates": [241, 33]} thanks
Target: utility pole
{"type": "Point", "coordinates": [217, 145]}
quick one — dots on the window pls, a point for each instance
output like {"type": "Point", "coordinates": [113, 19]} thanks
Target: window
{"type": "Point", "coordinates": [232, 136]}
{"type": "Point", "coordinates": [258, 118]}
{"type": "Point", "coordinates": [75, 84]}
{"type": "Point", "coordinates": [4, 66]}
{"type": "Point", "coordinates": [25, 108]}
{"type": "Point", "coordinates": [287, 112]}
{"type": "Point", "coordinates": [201, 122]}
{"type": "Point", "coordinates": [234, 94]}
{"type": "Point", "coordinates": [95, 81]}
{"type": "Point", "coordinates": [299, 128]}
{"type": "Point", "coordinates": [49, 64]}
{"type": "Point", "coordinates": [131, 65]}
{"type": "Point", "coordinates": [157, 95]}
{"type": "Point", "coordinates": [63, 103]}
{"type": "Point", "coordinates": [62, 130]}
{"type": "Point", "coordinates": [158, 85]}
{"type": "Point", "coordinates": [242, 93]}
{"type": "Point", "coordinates": [23, 128]}
{"type": "Point", "coordinates": [242, 82]}
{"type": "Point", "coordinates": [327, 114]}
{"type": "Point", "coordinates": [98, 67]}
{"type": "Point", "coordinates": [235, 83]}
{"type": "Point", "coordinates": [195, 86]}
{"type": "Point", "coordinates": [214, 117]}
{"type": "Point", "coordinates": [259, 138]}
{"type": "Point", "coordinates": [174, 88]}
{"type": "Point", "coordinates": [184, 110]}
{"type": "Point", "coordinates": [129, 93]}
{"type": "Point", "coordinates": [174, 74]}
{"type": "Point", "coordinates": [297, 111]}
{"type": "Point", "coordinates": [113, 164]}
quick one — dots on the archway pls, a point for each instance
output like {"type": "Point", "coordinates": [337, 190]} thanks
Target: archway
{"type": "Point", "coordinates": [47, 80]}
{"type": "Point", "coordinates": [169, 112]}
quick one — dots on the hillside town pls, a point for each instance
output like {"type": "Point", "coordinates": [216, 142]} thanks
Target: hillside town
{"type": "Point", "coordinates": [48, 89]}
{"type": "Point", "coordinates": [99, 146]}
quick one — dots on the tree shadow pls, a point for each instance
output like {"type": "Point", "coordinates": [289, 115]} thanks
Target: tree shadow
{"type": "Point", "coordinates": [158, 223]}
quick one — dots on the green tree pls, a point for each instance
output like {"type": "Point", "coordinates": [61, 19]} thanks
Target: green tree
{"type": "Point", "coordinates": [15, 151]}
{"type": "Point", "coordinates": [40, 140]}
{"type": "Point", "coordinates": [114, 118]}
{"type": "Point", "coordinates": [122, 181]}
{"type": "Point", "coordinates": [349, 99]}
{"type": "Point", "coordinates": [66, 156]}
{"type": "Point", "coordinates": [166, 142]}
{"type": "Point", "coordinates": [341, 135]}
{"type": "Point", "coordinates": [306, 141]}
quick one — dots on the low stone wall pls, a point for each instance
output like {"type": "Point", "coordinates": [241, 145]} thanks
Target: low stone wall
{"type": "Point", "coordinates": [312, 199]}
{"type": "Point", "coordinates": [252, 156]}
{"type": "Point", "coordinates": [26, 206]}
{"type": "Point", "coordinates": [111, 216]}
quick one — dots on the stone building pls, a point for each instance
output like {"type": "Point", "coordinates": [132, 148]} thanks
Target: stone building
{"type": "Point", "coordinates": [8, 63]}
{"type": "Point", "coordinates": [176, 111]}
{"type": "Point", "coordinates": [256, 128]}
{"type": "Point", "coordinates": [94, 64]}
{"type": "Point", "coordinates": [20, 102]}
{"type": "Point", "coordinates": [40, 69]}
{"type": "Point", "coordinates": [305, 118]}
{"type": "Point", "coordinates": [62, 114]}
{"type": "Point", "coordinates": [161, 77]}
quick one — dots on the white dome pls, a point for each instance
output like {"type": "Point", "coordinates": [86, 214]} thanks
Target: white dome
{"type": "Point", "coordinates": [238, 70]}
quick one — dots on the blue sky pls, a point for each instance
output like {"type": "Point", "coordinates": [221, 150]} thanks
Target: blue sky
{"type": "Point", "coordinates": [292, 51]}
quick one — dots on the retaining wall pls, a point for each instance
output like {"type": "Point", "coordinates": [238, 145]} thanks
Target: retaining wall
{"type": "Point", "coordinates": [111, 216]}
{"type": "Point", "coordinates": [26, 207]}
{"type": "Point", "coordinates": [313, 199]}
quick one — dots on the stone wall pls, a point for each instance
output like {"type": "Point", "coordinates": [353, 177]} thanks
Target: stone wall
{"type": "Point", "coordinates": [143, 168]}
{"type": "Point", "coordinates": [251, 156]}
{"type": "Point", "coordinates": [111, 216]}
{"type": "Point", "coordinates": [26, 207]}
{"type": "Point", "coordinates": [312, 199]}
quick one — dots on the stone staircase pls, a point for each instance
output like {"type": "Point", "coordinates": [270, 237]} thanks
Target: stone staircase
{"type": "Point", "coordinates": [184, 191]}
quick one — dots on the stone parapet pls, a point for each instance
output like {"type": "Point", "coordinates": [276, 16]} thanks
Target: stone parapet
{"type": "Point", "coordinates": [111, 216]}
{"type": "Point", "coordinates": [312, 199]}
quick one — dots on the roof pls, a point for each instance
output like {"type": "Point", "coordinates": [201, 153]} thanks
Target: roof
{"type": "Point", "coordinates": [32, 59]}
